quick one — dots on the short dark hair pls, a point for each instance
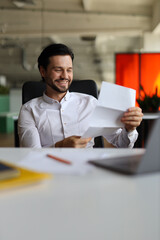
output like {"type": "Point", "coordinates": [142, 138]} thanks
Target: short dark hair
{"type": "Point", "coordinates": [53, 50]}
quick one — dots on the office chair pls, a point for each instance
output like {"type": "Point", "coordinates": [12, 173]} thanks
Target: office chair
{"type": "Point", "coordinates": [33, 89]}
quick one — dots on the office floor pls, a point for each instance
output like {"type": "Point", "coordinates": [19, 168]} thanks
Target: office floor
{"type": "Point", "coordinates": [7, 140]}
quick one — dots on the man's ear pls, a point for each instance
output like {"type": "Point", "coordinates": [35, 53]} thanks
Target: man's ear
{"type": "Point", "coordinates": [42, 71]}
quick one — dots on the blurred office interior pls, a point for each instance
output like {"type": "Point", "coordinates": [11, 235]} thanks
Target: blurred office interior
{"type": "Point", "coordinates": [98, 31]}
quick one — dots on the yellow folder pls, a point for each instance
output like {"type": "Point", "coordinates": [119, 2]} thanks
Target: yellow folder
{"type": "Point", "coordinates": [24, 177]}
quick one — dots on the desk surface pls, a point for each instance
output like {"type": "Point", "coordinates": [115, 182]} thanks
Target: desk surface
{"type": "Point", "coordinates": [100, 205]}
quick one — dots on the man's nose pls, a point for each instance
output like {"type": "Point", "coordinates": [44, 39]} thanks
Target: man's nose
{"type": "Point", "coordinates": [64, 74]}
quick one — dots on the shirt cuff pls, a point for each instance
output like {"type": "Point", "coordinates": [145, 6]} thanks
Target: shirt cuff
{"type": "Point", "coordinates": [132, 136]}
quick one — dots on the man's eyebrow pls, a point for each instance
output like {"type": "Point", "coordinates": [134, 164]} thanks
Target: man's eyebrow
{"type": "Point", "coordinates": [57, 67]}
{"type": "Point", "coordinates": [61, 67]}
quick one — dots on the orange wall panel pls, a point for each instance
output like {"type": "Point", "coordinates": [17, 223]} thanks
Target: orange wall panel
{"type": "Point", "coordinates": [127, 71]}
{"type": "Point", "coordinates": [133, 69]}
{"type": "Point", "coordinates": [150, 72]}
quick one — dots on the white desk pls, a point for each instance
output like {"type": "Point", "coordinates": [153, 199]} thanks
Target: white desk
{"type": "Point", "coordinates": [98, 206]}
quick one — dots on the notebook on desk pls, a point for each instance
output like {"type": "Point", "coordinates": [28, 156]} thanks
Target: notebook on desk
{"type": "Point", "coordinates": [12, 176]}
{"type": "Point", "coordinates": [149, 161]}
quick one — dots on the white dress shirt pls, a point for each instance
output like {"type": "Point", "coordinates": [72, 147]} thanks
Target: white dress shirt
{"type": "Point", "coordinates": [44, 121]}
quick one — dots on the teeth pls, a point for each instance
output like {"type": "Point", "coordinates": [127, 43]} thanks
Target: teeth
{"type": "Point", "coordinates": [62, 81]}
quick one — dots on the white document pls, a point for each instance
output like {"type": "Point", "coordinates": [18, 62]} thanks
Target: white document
{"type": "Point", "coordinates": [113, 101]}
{"type": "Point", "coordinates": [116, 96]}
{"type": "Point", "coordinates": [38, 161]}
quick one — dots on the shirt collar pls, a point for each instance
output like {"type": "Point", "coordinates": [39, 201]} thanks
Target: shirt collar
{"type": "Point", "coordinates": [67, 96]}
{"type": "Point", "coordinates": [51, 100]}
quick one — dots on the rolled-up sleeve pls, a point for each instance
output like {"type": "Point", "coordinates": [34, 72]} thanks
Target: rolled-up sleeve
{"type": "Point", "coordinates": [123, 139]}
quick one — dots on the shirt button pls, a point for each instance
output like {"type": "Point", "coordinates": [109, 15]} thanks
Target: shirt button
{"type": "Point", "coordinates": [65, 123]}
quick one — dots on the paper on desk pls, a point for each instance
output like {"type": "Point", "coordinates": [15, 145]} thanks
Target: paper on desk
{"type": "Point", "coordinates": [113, 101]}
{"type": "Point", "coordinates": [38, 161]}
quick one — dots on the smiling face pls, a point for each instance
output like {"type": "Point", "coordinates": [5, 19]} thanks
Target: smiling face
{"type": "Point", "coordinates": [58, 75]}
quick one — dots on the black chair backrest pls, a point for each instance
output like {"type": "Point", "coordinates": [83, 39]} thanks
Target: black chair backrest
{"type": "Point", "coordinates": [34, 89]}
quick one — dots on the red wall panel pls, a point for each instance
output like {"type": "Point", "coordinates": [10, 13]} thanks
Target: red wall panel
{"type": "Point", "coordinates": [127, 71]}
{"type": "Point", "coordinates": [133, 69]}
{"type": "Point", "coordinates": [150, 72]}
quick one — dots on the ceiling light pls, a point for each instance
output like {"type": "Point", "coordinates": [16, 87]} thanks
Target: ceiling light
{"type": "Point", "coordinates": [88, 38]}
{"type": "Point", "coordinates": [22, 3]}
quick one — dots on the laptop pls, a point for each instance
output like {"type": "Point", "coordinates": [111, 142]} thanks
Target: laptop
{"type": "Point", "coordinates": [145, 162]}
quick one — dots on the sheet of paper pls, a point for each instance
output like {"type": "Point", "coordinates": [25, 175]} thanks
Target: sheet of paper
{"type": "Point", "coordinates": [113, 101]}
{"type": "Point", "coordinates": [99, 131]}
{"type": "Point", "coordinates": [38, 161]}
{"type": "Point", "coordinates": [116, 97]}
{"type": "Point", "coordinates": [106, 117]}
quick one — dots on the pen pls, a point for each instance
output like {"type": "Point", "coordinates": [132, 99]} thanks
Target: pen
{"type": "Point", "coordinates": [58, 159]}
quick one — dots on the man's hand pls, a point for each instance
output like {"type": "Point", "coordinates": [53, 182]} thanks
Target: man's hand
{"type": "Point", "coordinates": [73, 142]}
{"type": "Point", "coordinates": [132, 118]}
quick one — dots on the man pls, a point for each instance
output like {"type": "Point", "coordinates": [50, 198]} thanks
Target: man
{"type": "Point", "coordinates": [59, 118]}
